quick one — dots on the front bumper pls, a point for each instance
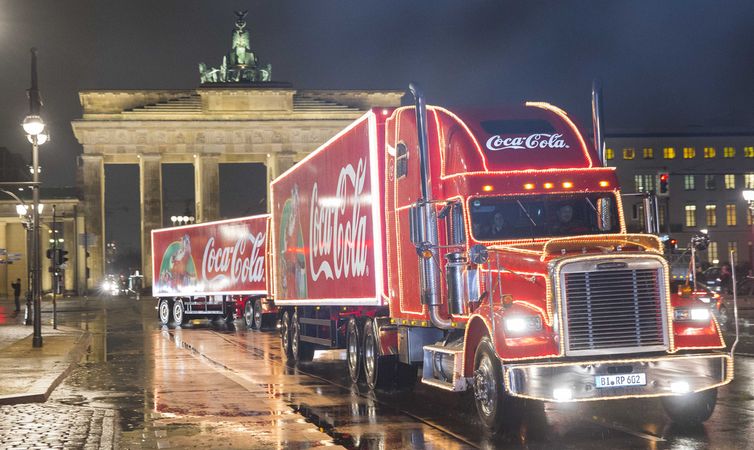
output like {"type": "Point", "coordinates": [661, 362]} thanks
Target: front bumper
{"type": "Point", "coordinates": [540, 381]}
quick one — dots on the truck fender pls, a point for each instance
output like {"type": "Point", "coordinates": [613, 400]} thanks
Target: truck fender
{"type": "Point", "coordinates": [476, 328]}
{"type": "Point", "coordinates": [387, 335]}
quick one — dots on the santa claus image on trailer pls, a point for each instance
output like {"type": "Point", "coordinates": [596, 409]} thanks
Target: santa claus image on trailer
{"type": "Point", "coordinates": [292, 261]}
{"type": "Point", "coordinates": [178, 269]}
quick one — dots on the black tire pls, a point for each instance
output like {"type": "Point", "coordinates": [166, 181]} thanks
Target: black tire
{"type": "Point", "coordinates": [379, 370]}
{"type": "Point", "coordinates": [495, 408]}
{"type": "Point", "coordinates": [301, 351]}
{"type": "Point", "coordinates": [354, 350]}
{"type": "Point", "coordinates": [179, 313]}
{"type": "Point", "coordinates": [285, 335]}
{"type": "Point", "coordinates": [164, 312]}
{"type": "Point", "coordinates": [258, 317]}
{"type": "Point", "coordinates": [691, 409]}
{"type": "Point", "coordinates": [229, 313]}
{"type": "Point", "coordinates": [248, 314]}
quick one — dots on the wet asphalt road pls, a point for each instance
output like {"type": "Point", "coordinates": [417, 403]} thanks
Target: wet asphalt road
{"type": "Point", "coordinates": [213, 385]}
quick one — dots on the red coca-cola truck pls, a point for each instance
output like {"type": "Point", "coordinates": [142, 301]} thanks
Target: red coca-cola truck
{"type": "Point", "coordinates": [213, 270]}
{"type": "Point", "coordinates": [487, 247]}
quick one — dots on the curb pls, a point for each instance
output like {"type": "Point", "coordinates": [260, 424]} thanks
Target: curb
{"type": "Point", "coordinates": [40, 394]}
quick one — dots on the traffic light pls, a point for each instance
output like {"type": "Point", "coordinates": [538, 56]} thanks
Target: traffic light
{"type": "Point", "coordinates": [49, 253]}
{"type": "Point", "coordinates": [60, 257]}
{"type": "Point", "coordinates": [663, 183]}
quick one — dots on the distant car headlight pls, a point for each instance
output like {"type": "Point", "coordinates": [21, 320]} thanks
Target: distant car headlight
{"type": "Point", "coordinates": [691, 315]}
{"type": "Point", "coordinates": [522, 324]}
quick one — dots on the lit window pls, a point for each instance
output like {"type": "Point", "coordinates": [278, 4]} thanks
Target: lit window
{"type": "Point", "coordinates": [668, 153]}
{"type": "Point", "coordinates": [749, 216]}
{"type": "Point", "coordinates": [609, 153]}
{"type": "Point", "coordinates": [730, 181]}
{"type": "Point", "coordinates": [690, 215]}
{"type": "Point", "coordinates": [712, 253]}
{"type": "Point", "coordinates": [709, 182]}
{"type": "Point", "coordinates": [689, 152]}
{"type": "Point", "coordinates": [711, 211]}
{"type": "Point", "coordinates": [709, 152]}
{"type": "Point", "coordinates": [733, 247]}
{"type": "Point", "coordinates": [749, 181]}
{"type": "Point", "coordinates": [649, 153]}
{"type": "Point", "coordinates": [730, 214]}
{"type": "Point", "coordinates": [748, 152]}
{"type": "Point", "coordinates": [644, 183]}
{"type": "Point", "coordinates": [689, 182]}
{"type": "Point", "coordinates": [729, 152]}
{"type": "Point", "coordinates": [629, 153]}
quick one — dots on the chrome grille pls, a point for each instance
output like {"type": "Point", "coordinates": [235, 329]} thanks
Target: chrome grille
{"type": "Point", "coordinates": [614, 311]}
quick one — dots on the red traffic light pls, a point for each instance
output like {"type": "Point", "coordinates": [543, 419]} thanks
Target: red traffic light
{"type": "Point", "coordinates": [663, 177]}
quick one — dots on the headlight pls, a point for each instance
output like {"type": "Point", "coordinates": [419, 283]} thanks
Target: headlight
{"type": "Point", "coordinates": [522, 324]}
{"type": "Point", "coordinates": [691, 314]}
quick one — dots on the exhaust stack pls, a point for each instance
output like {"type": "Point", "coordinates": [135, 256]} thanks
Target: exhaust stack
{"type": "Point", "coordinates": [598, 121]}
{"type": "Point", "coordinates": [429, 270]}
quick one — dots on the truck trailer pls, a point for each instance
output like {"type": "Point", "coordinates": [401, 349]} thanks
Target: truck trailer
{"type": "Point", "coordinates": [213, 270]}
{"type": "Point", "coordinates": [486, 247]}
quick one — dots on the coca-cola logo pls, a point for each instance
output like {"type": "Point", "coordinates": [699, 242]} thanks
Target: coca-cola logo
{"type": "Point", "coordinates": [338, 229]}
{"type": "Point", "coordinates": [242, 262]}
{"type": "Point", "coordinates": [531, 142]}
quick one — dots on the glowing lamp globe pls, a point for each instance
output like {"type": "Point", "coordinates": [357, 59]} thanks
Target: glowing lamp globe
{"type": "Point", "coordinates": [33, 125]}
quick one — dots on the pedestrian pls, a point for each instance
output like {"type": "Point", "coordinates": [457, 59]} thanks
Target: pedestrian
{"type": "Point", "coordinates": [17, 293]}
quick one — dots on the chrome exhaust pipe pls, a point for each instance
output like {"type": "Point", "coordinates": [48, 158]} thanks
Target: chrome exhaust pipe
{"type": "Point", "coordinates": [598, 121]}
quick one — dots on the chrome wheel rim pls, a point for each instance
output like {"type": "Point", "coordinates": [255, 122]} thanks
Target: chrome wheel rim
{"type": "Point", "coordinates": [369, 353]}
{"type": "Point", "coordinates": [178, 313]}
{"type": "Point", "coordinates": [353, 350]}
{"type": "Point", "coordinates": [294, 336]}
{"type": "Point", "coordinates": [258, 315]}
{"type": "Point", "coordinates": [284, 331]}
{"type": "Point", "coordinates": [247, 314]}
{"type": "Point", "coordinates": [164, 312]}
{"type": "Point", "coordinates": [485, 390]}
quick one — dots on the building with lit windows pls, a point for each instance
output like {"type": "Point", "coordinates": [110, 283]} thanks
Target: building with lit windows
{"type": "Point", "coordinates": [707, 173]}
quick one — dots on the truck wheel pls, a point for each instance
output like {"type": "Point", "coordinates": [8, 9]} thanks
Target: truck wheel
{"type": "Point", "coordinates": [248, 314]}
{"type": "Point", "coordinates": [285, 335]}
{"type": "Point", "coordinates": [492, 403]}
{"type": "Point", "coordinates": [178, 312]}
{"type": "Point", "coordinates": [691, 409]}
{"type": "Point", "coordinates": [379, 370]}
{"type": "Point", "coordinates": [354, 355]}
{"type": "Point", "coordinates": [163, 311]}
{"type": "Point", "coordinates": [229, 315]}
{"type": "Point", "coordinates": [257, 318]}
{"type": "Point", "coordinates": [301, 351]}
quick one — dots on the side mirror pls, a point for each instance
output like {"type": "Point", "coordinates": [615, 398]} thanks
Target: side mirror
{"type": "Point", "coordinates": [604, 214]}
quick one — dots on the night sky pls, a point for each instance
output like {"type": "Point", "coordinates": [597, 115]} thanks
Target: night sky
{"type": "Point", "coordinates": [664, 65]}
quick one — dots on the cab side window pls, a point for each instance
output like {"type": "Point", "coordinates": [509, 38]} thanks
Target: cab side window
{"type": "Point", "coordinates": [401, 161]}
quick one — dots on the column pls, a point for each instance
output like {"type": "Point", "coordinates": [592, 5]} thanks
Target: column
{"type": "Point", "coordinates": [94, 216]}
{"type": "Point", "coordinates": [150, 191]}
{"type": "Point", "coordinates": [272, 173]}
{"type": "Point", "coordinates": [207, 188]}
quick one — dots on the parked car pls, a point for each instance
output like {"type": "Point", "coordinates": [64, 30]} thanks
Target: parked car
{"type": "Point", "coordinates": [707, 295]}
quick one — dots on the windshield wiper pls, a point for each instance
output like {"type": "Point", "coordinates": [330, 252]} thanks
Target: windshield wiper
{"type": "Point", "coordinates": [591, 204]}
{"type": "Point", "coordinates": [526, 212]}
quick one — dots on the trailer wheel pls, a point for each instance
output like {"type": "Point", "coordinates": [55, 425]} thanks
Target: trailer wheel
{"type": "Point", "coordinates": [285, 335]}
{"type": "Point", "coordinates": [379, 370]}
{"type": "Point", "coordinates": [354, 355]}
{"type": "Point", "coordinates": [257, 317]}
{"type": "Point", "coordinates": [492, 403]}
{"type": "Point", "coordinates": [301, 351]}
{"type": "Point", "coordinates": [691, 409]}
{"type": "Point", "coordinates": [164, 313]}
{"type": "Point", "coordinates": [248, 314]}
{"type": "Point", "coordinates": [178, 312]}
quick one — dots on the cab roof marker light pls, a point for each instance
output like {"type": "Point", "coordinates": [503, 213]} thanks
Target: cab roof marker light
{"type": "Point", "coordinates": [487, 188]}
{"type": "Point", "coordinates": [529, 186]}
{"type": "Point", "coordinates": [548, 185]}
{"type": "Point", "coordinates": [567, 184]}
{"type": "Point", "coordinates": [604, 183]}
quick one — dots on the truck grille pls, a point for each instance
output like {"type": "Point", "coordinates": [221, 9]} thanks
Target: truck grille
{"type": "Point", "coordinates": [614, 311]}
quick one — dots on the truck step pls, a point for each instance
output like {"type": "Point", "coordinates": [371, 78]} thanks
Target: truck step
{"type": "Point", "coordinates": [442, 366]}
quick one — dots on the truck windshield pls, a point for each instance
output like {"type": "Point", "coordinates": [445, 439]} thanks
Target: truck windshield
{"type": "Point", "coordinates": [502, 218]}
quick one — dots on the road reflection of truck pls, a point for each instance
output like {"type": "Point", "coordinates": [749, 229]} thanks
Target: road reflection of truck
{"type": "Point", "coordinates": [215, 270]}
{"type": "Point", "coordinates": [488, 248]}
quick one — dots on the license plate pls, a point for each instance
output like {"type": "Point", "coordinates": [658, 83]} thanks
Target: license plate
{"type": "Point", "coordinates": [629, 379]}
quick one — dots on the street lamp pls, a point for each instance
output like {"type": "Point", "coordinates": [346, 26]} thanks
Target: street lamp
{"type": "Point", "coordinates": [182, 220]}
{"type": "Point", "coordinates": [34, 128]}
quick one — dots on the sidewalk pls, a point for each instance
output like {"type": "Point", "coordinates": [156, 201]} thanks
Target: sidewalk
{"type": "Point", "coordinates": [29, 374]}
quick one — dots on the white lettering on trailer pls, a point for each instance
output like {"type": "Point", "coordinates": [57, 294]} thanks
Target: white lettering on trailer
{"type": "Point", "coordinates": [229, 262]}
{"type": "Point", "coordinates": [533, 141]}
{"type": "Point", "coordinates": [344, 243]}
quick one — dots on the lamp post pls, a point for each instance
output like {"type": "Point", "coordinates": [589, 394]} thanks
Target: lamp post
{"type": "Point", "coordinates": [749, 197]}
{"type": "Point", "coordinates": [182, 220]}
{"type": "Point", "coordinates": [34, 127]}
{"type": "Point", "coordinates": [23, 212]}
